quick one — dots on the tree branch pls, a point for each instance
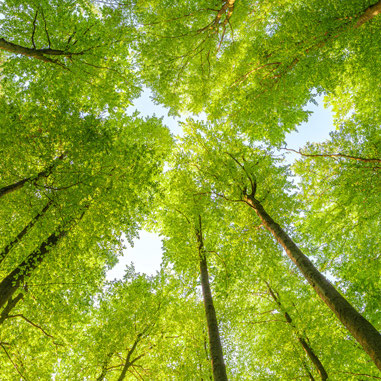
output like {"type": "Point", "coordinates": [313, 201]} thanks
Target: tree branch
{"type": "Point", "coordinates": [335, 155]}
{"type": "Point", "coordinates": [31, 323]}
{"type": "Point", "coordinates": [34, 28]}
{"type": "Point", "coordinates": [13, 363]}
{"type": "Point", "coordinates": [46, 29]}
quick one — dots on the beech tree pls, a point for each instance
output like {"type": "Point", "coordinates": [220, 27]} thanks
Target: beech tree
{"type": "Point", "coordinates": [185, 223]}
{"type": "Point", "coordinates": [218, 176]}
{"type": "Point", "coordinates": [80, 229]}
{"type": "Point", "coordinates": [80, 176]}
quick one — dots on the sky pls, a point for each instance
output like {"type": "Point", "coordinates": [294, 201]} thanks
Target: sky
{"type": "Point", "coordinates": [146, 253]}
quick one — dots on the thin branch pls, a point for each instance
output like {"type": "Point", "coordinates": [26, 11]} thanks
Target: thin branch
{"type": "Point", "coordinates": [31, 323]}
{"type": "Point", "coordinates": [253, 183]}
{"type": "Point", "coordinates": [45, 26]}
{"type": "Point", "coordinates": [335, 155]}
{"type": "Point", "coordinates": [134, 368]}
{"type": "Point", "coordinates": [225, 198]}
{"type": "Point", "coordinates": [13, 363]}
{"type": "Point", "coordinates": [179, 211]}
{"type": "Point", "coordinates": [69, 39]}
{"type": "Point", "coordinates": [34, 28]}
{"type": "Point", "coordinates": [246, 75]}
{"type": "Point", "coordinates": [359, 374]}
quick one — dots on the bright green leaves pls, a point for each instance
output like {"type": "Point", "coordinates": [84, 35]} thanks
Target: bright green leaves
{"type": "Point", "coordinates": [255, 63]}
{"type": "Point", "coordinates": [101, 174]}
{"type": "Point", "coordinates": [69, 52]}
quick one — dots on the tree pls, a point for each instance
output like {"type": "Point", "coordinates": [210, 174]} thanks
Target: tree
{"type": "Point", "coordinates": [78, 176]}
{"type": "Point", "coordinates": [180, 209]}
{"type": "Point", "coordinates": [105, 167]}
{"type": "Point", "coordinates": [345, 236]}
{"type": "Point", "coordinates": [218, 175]}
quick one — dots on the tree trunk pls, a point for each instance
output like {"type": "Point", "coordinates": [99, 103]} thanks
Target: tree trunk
{"type": "Point", "coordinates": [13, 187]}
{"type": "Point", "coordinates": [310, 353]}
{"type": "Point", "coordinates": [12, 282]}
{"type": "Point", "coordinates": [9, 307]}
{"type": "Point", "coordinates": [124, 371]}
{"type": "Point", "coordinates": [369, 13]}
{"type": "Point", "coordinates": [361, 329]}
{"type": "Point", "coordinates": [24, 231]}
{"type": "Point", "coordinates": [218, 364]}
{"type": "Point", "coordinates": [19, 184]}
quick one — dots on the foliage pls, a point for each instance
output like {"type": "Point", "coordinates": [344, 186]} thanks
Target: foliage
{"type": "Point", "coordinates": [258, 63]}
{"type": "Point", "coordinates": [79, 175]}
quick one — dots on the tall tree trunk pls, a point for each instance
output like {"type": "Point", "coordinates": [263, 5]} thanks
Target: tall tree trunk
{"type": "Point", "coordinates": [361, 329]}
{"type": "Point", "coordinates": [24, 231]}
{"type": "Point", "coordinates": [12, 281]}
{"type": "Point", "coordinates": [13, 187]}
{"type": "Point", "coordinates": [19, 184]}
{"type": "Point", "coordinates": [310, 353]}
{"type": "Point", "coordinates": [218, 364]}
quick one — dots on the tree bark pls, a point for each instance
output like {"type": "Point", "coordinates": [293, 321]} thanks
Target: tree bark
{"type": "Point", "coordinates": [19, 184]}
{"type": "Point", "coordinates": [310, 353]}
{"type": "Point", "coordinates": [369, 13]}
{"type": "Point", "coordinates": [12, 281]}
{"type": "Point", "coordinates": [218, 364]}
{"type": "Point", "coordinates": [9, 307]}
{"type": "Point", "coordinates": [361, 329]}
{"type": "Point", "coordinates": [23, 232]}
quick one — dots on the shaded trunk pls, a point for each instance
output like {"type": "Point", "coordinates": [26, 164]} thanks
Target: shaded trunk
{"type": "Point", "coordinates": [23, 232]}
{"type": "Point", "coordinates": [126, 366]}
{"type": "Point", "coordinates": [13, 187]}
{"type": "Point", "coordinates": [19, 184]}
{"type": "Point", "coordinates": [12, 281]}
{"type": "Point", "coordinates": [218, 364]}
{"type": "Point", "coordinates": [9, 307]}
{"type": "Point", "coordinates": [310, 353]}
{"type": "Point", "coordinates": [361, 329]}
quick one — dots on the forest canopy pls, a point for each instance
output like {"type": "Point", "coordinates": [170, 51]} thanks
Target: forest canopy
{"type": "Point", "coordinates": [271, 267]}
